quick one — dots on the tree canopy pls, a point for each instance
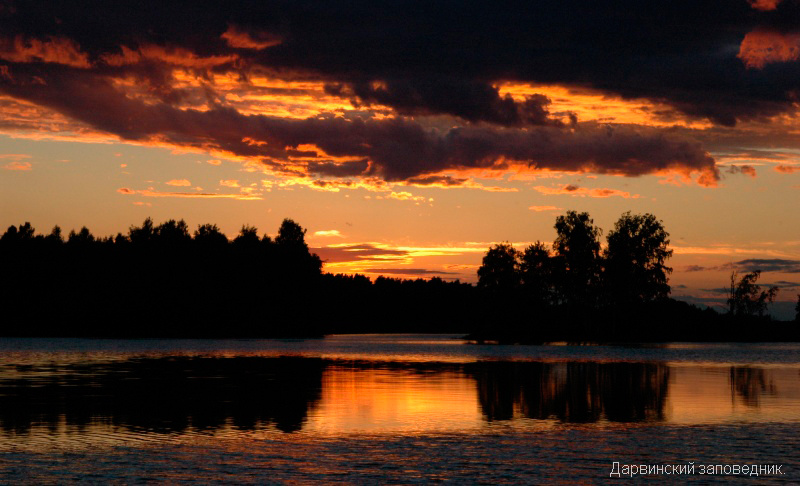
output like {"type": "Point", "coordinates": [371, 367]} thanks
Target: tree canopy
{"type": "Point", "coordinates": [499, 272]}
{"type": "Point", "coordinates": [577, 246]}
{"type": "Point", "coordinates": [635, 259]}
{"type": "Point", "coordinates": [746, 298]}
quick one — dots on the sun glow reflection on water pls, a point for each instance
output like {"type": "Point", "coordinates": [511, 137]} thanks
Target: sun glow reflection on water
{"type": "Point", "coordinates": [374, 397]}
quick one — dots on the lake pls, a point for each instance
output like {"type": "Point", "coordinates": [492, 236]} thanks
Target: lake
{"type": "Point", "coordinates": [394, 409]}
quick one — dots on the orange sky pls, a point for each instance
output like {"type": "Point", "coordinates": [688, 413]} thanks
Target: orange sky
{"type": "Point", "coordinates": [387, 177]}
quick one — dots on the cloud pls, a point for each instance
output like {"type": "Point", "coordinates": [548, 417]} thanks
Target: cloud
{"type": "Point", "coordinates": [239, 38]}
{"type": "Point", "coordinates": [214, 162]}
{"type": "Point", "coordinates": [178, 182]}
{"type": "Point", "coordinates": [697, 268]}
{"type": "Point", "coordinates": [762, 47]}
{"type": "Point", "coordinates": [18, 165]}
{"type": "Point", "coordinates": [407, 271]}
{"type": "Point", "coordinates": [544, 208]}
{"type": "Point", "coordinates": [360, 252]}
{"type": "Point", "coordinates": [450, 182]}
{"type": "Point", "coordinates": [229, 183]}
{"type": "Point", "coordinates": [685, 54]}
{"type": "Point", "coordinates": [742, 169]}
{"type": "Point", "coordinates": [765, 5]}
{"type": "Point", "coordinates": [770, 265]}
{"type": "Point", "coordinates": [394, 149]}
{"type": "Point", "coordinates": [328, 233]}
{"type": "Point", "coordinates": [573, 190]}
{"type": "Point", "coordinates": [405, 196]}
{"type": "Point", "coordinates": [787, 169]}
{"type": "Point", "coordinates": [780, 265]}
{"type": "Point", "coordinates": [51, 49]}
{"type": "Point", "coordinates": [471, 100]}
{"type": "Point", "coordinates": [188, 195]}
{"type": "Point", "coordinates": [17, 162]}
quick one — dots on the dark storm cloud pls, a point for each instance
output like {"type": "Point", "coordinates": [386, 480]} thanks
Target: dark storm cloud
{"type": "Point", "coordinates": [753, 264]}
{"type": "Point", "coordinates": [436, 180]}
{"type": "Point", "coordinates": [682, 52]}
{"type": "Point", "coordinates": [407, 271]}
{"type": "Point", "coordinates": [345, 169]}
{"type": "Point", "coordinates": [362, 252]}
{"type": "Point", "coordinates": [470, 100]}
{"type": "Point", "coordinates": [397, 148]}
{"type": "Point", "coordinates": [770, 265]}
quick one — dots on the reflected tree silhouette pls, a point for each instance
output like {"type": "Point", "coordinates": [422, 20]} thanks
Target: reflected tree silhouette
{"type": "Point", "coordinates": [164, 395]}
{"type": "Point", "coordinates": [749, 384]}
{"type": "Point", "coordinates": [572, 392]}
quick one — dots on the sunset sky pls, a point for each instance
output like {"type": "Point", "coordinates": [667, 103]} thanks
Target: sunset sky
{"type": "Point", "coordinates": [409, 136]}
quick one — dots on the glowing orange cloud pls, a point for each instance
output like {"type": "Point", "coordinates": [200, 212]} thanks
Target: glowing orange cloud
{"type": "Point", "coordinates": [18, 165]}
{"type": "Point", "coordinates": [238, 38]}
{"type": "Point", "coordinates": [175, 56]}
{"type": "Point", "coordinates": [404, 196]}
{"type": "Point", "coordinates": [590, 105]}
{"type": "Point", "coordinates": [191, 195]}
{"type": "Point", "coordinates": [326, 233]}
{"type": "Point", "coordinates": [544, 208]}
{"type": "Point", "coordinates": [573, 190]}
{"type": "Point", "coordinates": [178, 182]}
{"type": "Point", "coordinates": [54, 50]}
{"type": "Point", "coordinates": [229, 183]}
{"type": "Point", "coordinates": [450, 182]}
{"type": "Point", "coordinates": [762, 47]}
{"type": "Point", "coordinates": [764, 5]}
{"type": "Point", "coordinates": [787, 169]}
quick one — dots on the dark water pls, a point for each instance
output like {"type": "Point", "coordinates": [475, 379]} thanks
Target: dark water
{"type": "Point", "coordinates": [377, 409]}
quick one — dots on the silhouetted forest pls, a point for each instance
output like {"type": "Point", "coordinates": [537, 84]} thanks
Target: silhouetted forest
{"type": "Point", "coordinates": [579, 291]}
{"type": "Point", "coordinates": [165, 281]}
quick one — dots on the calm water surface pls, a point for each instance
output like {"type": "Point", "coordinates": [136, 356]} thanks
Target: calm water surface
{"type": "Point", "coordinates": [399, 408]}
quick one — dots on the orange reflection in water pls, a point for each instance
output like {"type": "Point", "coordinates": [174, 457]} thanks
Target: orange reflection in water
{"type": "Point", "coordinates": [715, 394]}
{"type": "Point", "coordinates": [380, 400]}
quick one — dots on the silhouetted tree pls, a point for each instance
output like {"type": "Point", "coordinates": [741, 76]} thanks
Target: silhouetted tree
{"type": "Point", "coordinates": [291, 235]}
{"type": "Point", "coordinates": [172, 233]}
{"type": "Point", "coordinates": [248, 237]}
{"type": "Point", "coordinates": [635, 269]}
{"type": "Point", "coordinates": [578, 246]}
{"type": "Point", "coordinates": [142, 234]}
{"type": "Point", "coordinates": [83, 237]}
{"type": "Point", "coordinates": [55, 236]}
{"type": "Point", "coordinates": [797, 309]}
{"type": "Point", "coordinates": [746, 297]}
{"type": "Point", "coordinates": [536, 273]}
{"type": "Point", "coordinates": [210, 235]}
{"type": "Point", "coordinates": [25, 231]}
{"type": "Point", "coordinates": [498, 272]}
{"type": "Point", "coordinates": [10, 235]}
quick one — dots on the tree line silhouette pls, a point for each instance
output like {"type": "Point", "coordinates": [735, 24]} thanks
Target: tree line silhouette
{"type": "Point", "coordinates": [576, 290]}
{"type": "Point", "coordinates": [165, 281]}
